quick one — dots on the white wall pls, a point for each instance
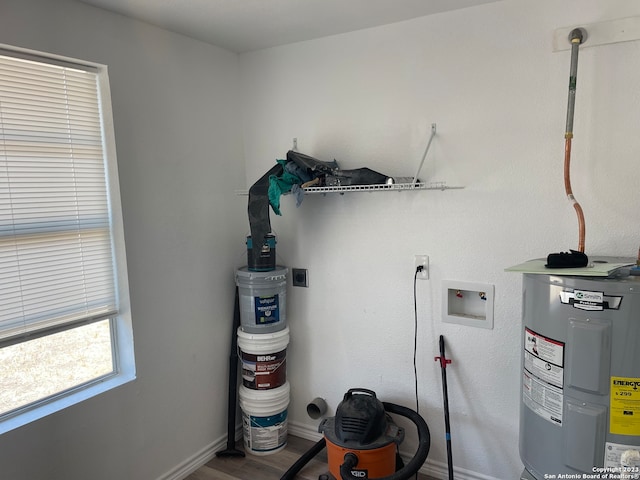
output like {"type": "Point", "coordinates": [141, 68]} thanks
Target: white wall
{"type": "Point", "coordinates": [489, 79]}
{"type": "Point", "coordinates": [180, 158]}
{"type": "Point", "coordinates": [486, 75]}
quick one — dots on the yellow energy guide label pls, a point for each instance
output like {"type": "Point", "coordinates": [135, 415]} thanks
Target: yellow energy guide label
{"type": "Point", "coordinates": [625, 406]}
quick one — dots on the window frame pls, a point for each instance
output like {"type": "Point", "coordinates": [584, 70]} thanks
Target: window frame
{"type": "Point", "coordinates": [121, 323]}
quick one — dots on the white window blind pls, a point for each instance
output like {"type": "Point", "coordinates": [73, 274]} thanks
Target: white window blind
{"type": "Point", "coordinates": [56, 255]}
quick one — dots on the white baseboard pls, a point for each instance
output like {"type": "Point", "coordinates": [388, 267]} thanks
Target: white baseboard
{"type": "Point", "coordinates": [198, 459]}
{"type": "Point", "coordinates": [191, 464]}
{"type": "Point", "coordinates": [303, 431]}
{"type": "Point", "coordinates": [194, 462]}
{"type": "Point", "coordinates": [433, 469]}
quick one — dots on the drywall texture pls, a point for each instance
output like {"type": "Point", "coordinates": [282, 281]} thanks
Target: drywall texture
{"type": "Point", "coordinates": [180, 158]}
{"type": "Point", "coordinates": [487, 76]}
{"type": "Point", "coordinates": [489, 79]}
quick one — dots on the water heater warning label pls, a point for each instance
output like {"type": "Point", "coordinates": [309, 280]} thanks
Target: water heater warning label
{"type": "Point", "coordinates": [624, 417]}
{"type": "Point", "coordinates": [543, 399]}
{"type": "Point", "coordinates": [543, 376]}
{"type": "Point", "coordinates": [544, 348]}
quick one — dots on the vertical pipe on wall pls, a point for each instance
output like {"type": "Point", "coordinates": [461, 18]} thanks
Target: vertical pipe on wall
{"type": "Point", "coordinates": [577, 36]}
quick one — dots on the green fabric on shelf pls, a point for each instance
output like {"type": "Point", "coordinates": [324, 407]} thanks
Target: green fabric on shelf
{"type": "Point", "coordinates": [279, 185]}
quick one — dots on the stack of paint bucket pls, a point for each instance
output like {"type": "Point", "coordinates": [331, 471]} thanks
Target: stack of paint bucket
{"type": "Point", "coordinates": [263, 337]}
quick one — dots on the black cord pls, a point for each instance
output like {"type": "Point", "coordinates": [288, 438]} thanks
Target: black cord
{"type": "Point", "coordinates": [415, 335]}
{"type": "Point", "coordinates": [415, 339]}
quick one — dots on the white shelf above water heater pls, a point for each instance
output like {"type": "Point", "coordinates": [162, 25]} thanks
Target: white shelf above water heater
{"type": "Point", "coordinates": [414, 184]}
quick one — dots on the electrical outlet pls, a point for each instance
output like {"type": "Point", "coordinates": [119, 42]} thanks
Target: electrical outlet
{"type": "Point", "coordinates": [422, 261]}
{"type": "Point", "coordinates": [300, 278]}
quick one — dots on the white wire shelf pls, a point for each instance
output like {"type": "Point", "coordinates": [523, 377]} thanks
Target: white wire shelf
{"type": "Point", "coordinates": [381, 187]}
{"type": "Point", "coordinates": [386, 187]}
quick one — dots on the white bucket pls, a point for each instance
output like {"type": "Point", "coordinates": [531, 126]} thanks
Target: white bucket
{"type": "Point", "coordinates": [264, 358]}
{"type": "Point", "coordinates": [264, 419]}
{"type": "Point", "coordinates": [263, 299]}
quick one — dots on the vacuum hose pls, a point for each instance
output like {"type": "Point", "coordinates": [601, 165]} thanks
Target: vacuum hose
{"type": "Point", "coordinates": [304, 459]}
{"type": "Point", "coordinates": [351, 460]}
{"type": "Point", "coordinates": [411, 468]}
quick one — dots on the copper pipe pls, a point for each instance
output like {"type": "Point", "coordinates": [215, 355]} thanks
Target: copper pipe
{"type": "Point", "coordinates": [569, 192]}
{"type": "Point", "coordinates": [567, 162]}
{"type": "Point", "coordinates": [576, 37]}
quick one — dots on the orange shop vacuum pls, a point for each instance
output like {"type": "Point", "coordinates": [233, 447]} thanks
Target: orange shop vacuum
{"type": "Point", "coordinates": [362, 441]}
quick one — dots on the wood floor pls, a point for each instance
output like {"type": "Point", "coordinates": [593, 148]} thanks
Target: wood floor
{"type": "Point", "coordinates": [267, 467]}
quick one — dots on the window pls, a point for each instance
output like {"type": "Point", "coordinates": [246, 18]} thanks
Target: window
{"type": "Point", "coordinates": [65, 325]}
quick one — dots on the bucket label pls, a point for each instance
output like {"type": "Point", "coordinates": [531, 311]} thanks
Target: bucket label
{"type": "Point", "coordinates": [264, 371]}
{"type": "Point", "coordinates": [263, 434]}
{"type": "Point", "coordinates": [267, 309]}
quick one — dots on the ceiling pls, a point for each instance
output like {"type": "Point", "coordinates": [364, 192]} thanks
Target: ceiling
{"type": "Point", "coordinates": [246, 25]}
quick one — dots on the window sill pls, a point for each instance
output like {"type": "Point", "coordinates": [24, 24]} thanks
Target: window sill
{"type": "Point", "coordinates": [49, 406]}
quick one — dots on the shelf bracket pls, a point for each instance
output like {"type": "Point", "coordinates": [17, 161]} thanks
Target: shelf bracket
{"type": "Point", "coordinates": [426, 150]}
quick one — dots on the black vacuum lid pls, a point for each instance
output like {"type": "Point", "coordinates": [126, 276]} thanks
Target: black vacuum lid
{"type": "Point", "coordinates": [360, 421]}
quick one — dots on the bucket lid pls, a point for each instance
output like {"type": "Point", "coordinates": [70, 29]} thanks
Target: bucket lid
{"type": "Point", "coordinates": [244, 274]}
{"type": "Point", "coordinates": [257, 343]}
{"type": "Point", "coordinates": [274, 399]}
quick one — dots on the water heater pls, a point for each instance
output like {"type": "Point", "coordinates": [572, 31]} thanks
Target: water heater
{"type": "Point", "coordinates": [580, 387]}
